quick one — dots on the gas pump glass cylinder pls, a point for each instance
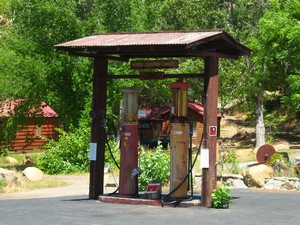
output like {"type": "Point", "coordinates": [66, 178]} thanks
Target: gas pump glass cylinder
{"type": "Point", "coordinates": [130, 105]}
{"type": "Point", "coordinates": [179, 98]}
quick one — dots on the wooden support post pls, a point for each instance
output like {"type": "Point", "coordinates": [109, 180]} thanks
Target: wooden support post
{"type": "Point", "coordinates": [98, 115]}
{"type": "Point", "coordinates": [209, 175]}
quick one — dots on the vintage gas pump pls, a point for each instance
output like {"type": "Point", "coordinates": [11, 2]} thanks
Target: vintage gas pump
{"type": "Point", "coordinates": [179, 140]}
{"type": "Point", "coordinates": [128, 181]}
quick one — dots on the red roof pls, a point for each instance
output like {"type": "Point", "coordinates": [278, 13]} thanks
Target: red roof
{"type": "Point", "coordinates": [196, 107]}
{"type": "Point", "coordinates": [155, 113]}
{"type": "Point", "coordinates": [7, 109]}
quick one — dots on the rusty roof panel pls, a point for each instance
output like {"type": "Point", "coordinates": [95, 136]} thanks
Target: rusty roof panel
{"type": "Point", "coordinates": [128, 39]}
{"type": "Point", "coordinates": [157, 44]}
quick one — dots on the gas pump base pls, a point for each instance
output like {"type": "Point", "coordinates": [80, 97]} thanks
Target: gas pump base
{"type": "Point", "coordinates": [141, 200]}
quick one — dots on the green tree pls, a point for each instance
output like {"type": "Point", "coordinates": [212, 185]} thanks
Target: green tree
{"type": "Point", "coordinates": [275, 58]}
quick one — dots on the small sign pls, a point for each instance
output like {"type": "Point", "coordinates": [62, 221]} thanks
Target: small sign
{"type": "Point", "coordinates": [154, 64]}
{"type": "Point", "coordinates": [213, 131]}
{"type": "Point", "coordinates": [152, 75]}
{"type": "Point", "coordinates": [126, 134]}
{"type": "Point", "coordinates": [204, 158]}
{"type": "Point", "coordinates": [93, 152]}
{"type": "Point", "coordinates": [152, 188]}
{"type": "Point", "coordinates": [142, 113]}
{"type": "Point", "coordinates": [172, 110]}
{"type": "Point", "coordinates": [176, 132]}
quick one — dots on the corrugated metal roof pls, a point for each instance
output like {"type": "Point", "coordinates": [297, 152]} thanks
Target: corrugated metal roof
{"type": "Point", "coordinates": [129, 39]}
{"type": "Point", "coordinates": [157, 44]}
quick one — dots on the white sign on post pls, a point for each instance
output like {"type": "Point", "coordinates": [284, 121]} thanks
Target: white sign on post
{"type": "Point", "coordinates": [93, 151]}
{"type": "Point", "coordinates": [204, 158]}
{"type": "Point", "coordinates": [142, 113]}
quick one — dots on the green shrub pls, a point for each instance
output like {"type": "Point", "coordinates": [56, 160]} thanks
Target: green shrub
{"type": "Point", "coordinates": [155, 165]}
{"type": "Point", "coordinates": [231, 160]}
{"type": "Point", "coordinates": [70, 154]}
{"type": "Point", "coordinates": [67, 155]}
{"type": "Point", "coordinates": [221, 197]}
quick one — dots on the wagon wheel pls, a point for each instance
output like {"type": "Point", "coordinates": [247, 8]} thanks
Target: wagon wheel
{"type": "Point", "coordinates": [264, 153]}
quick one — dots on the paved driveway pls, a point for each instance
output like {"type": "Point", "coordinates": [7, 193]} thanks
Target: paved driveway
{"type": "Point", "coordinates": [249, 207]}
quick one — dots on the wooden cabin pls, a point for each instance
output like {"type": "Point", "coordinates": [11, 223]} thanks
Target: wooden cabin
{"type": "Point", "coordinates": [156, 122]}
{"type": "Point", "coordinates": [39, 126]}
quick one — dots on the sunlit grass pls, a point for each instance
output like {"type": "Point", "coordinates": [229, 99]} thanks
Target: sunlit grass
{"type": "Point", "coordinates": [45, 183]}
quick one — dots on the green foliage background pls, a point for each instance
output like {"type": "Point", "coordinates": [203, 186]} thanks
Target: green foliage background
{"type": "Point", "coordinates": [30, 68]}
{"type": "Point", "coordinates": [154, 165]}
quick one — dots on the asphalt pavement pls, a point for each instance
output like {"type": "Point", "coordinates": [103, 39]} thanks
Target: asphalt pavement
{"type": "Point", "coordinates": [249, 207]}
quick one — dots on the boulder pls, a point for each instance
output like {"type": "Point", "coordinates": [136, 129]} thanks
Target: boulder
{"type": "Point", "coordinates": [256, 175]}
{"type": "Point", "coordinates": [33, 174]}
{"type": "Point", "coordinates": [273, 184]}
{"type": "Point", "coordinates": [13, 180]}
{"type": "Point", "coordinates": [288, 186]}
{"type": "Point", "coordinates": [3, 172]}
{"type": "Point", "coordinates": [12, 161]}
{"type": "Point", "coordinates": [27, 160]}
{"type": "Point", "coordinates": [236, 183]}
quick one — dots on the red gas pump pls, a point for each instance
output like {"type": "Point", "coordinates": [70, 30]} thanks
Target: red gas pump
{"type": "Point", "coordinates": [179, 140]}
{"type": "Point", "coordinates": [128, 181]}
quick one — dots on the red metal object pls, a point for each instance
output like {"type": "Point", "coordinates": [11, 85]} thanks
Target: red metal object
{"type": "Point", "coordinates": [183, 86]}
{"type": "Point", "coordinates": [264, 153]}
{"type": "Point", "coordinates": [128, 184]}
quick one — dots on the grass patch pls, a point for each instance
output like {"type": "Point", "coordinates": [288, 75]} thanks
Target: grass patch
{"type": "Point", "coordinates": [19, 157]}
{"type": "Point", "coordinates": [45, 183]}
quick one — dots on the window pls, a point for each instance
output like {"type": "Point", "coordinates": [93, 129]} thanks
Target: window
{"type": "Point", "coordinates": [194, 128]}
{"type": "Point", "coordinates": [158, 127]}
{"type": "Point", "coordinates": [37, 131]}
{"type": "Point", "coordinates": [145, 126]}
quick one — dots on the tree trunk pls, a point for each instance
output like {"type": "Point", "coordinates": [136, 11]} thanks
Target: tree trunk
{"type": "Point", "coordinates": [260, 126]}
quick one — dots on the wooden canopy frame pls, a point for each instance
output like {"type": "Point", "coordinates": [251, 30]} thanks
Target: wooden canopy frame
{"type": "Point", "coordinates": [208, 44]}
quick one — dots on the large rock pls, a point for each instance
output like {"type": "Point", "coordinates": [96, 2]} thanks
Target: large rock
{"type": "Point", "coordinates": [256, 175]}
{"type": "Point", "coordinates": [13, 180]}
{"type": "Point", "coordinates": [236, 183]}
{"type": "Point", "coordinates": [12, 161]}
{"type": "Point", "coordinates": [273, 184]}
{"type": "Point", "coordinates": [3, 172]}
{"type": "Point", "coordinates": [33, 174]}
{"type": "Point", "coordinates": [281, 183]}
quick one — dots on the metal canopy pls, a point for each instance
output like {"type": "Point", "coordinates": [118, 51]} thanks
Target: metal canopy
{"type": "Point", "coordinates": [216, 43]}
{"type": "Point", "coordinates": [210, 44]}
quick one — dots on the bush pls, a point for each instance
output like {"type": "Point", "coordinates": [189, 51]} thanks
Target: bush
{"type": "Point", "coordinates": [70, 154]}
{"type": "Point", "coordinates": [221, 198]}
{"type": "Point", "coordinates": [67, 155]}
{"type": "Point", "coordinates": [155, 165]}
{"type": "Point", "coordinates": [231, 160]}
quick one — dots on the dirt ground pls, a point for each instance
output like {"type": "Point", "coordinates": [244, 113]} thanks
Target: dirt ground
{"type": "Point", "coordinates": [76, 185]}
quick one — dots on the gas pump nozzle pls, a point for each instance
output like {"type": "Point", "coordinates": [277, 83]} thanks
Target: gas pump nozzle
{"type": "Point", "coordinates": [136, 171]}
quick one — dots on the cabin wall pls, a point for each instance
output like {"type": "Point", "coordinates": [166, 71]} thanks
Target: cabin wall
{"type": "Point", "coordinates": [32, 136]}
